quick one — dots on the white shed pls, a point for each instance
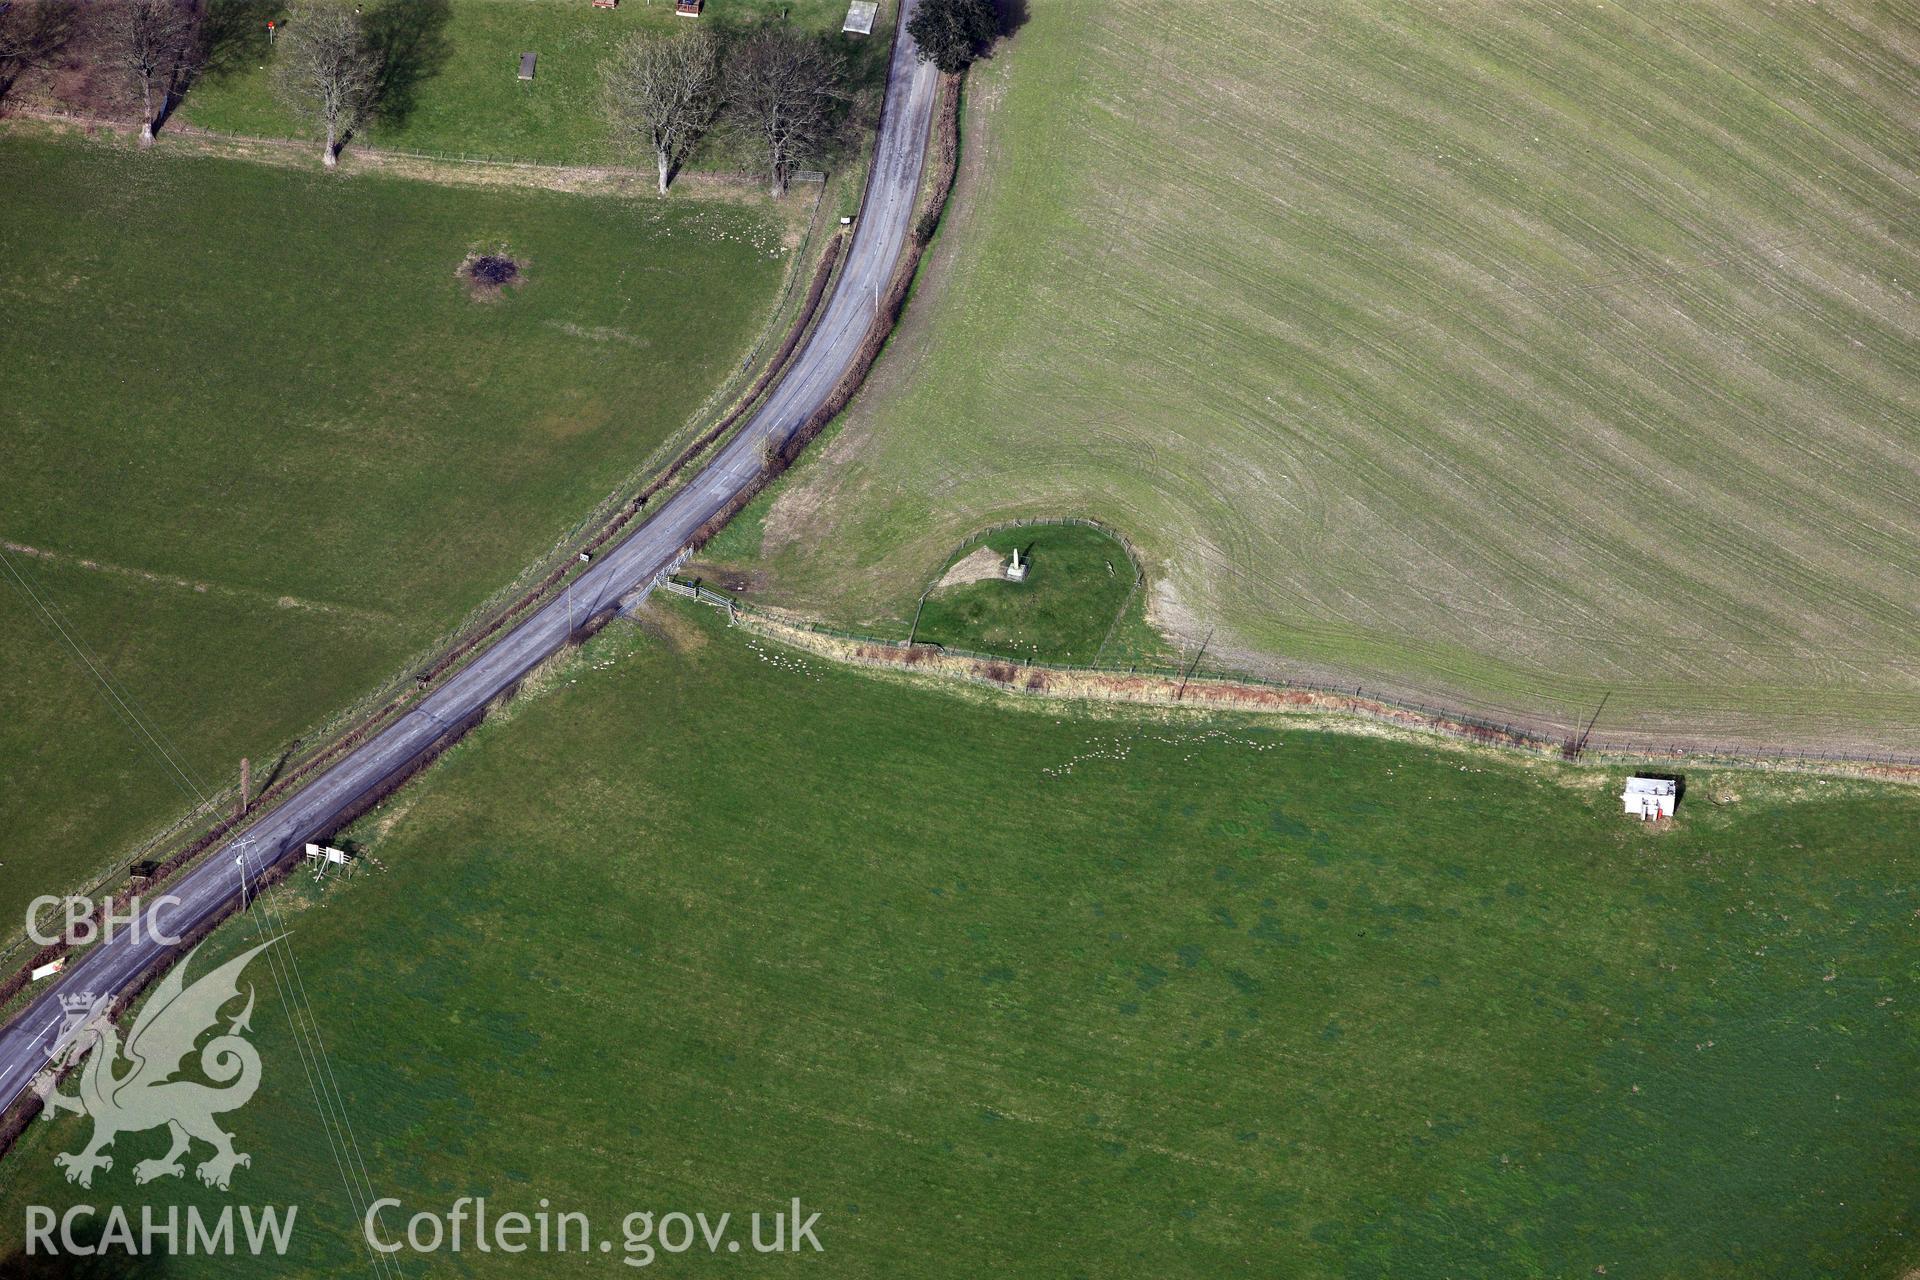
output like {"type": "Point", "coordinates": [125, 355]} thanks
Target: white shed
{"type": "Point", "coordinates": [1650, 797]}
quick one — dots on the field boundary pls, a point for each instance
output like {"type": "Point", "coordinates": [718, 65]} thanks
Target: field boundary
{"type": "Point", "coordinates": [1149, 685]}
{"type": "Point", "coordinates": [709, 185]}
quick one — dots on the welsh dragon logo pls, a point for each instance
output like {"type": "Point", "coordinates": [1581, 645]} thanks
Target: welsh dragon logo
{"type": "Point", "coordinates": [131, 1087]}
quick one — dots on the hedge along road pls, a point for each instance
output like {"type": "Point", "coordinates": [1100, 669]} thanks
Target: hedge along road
{"type": "Point", "coordinates": [216, 882]}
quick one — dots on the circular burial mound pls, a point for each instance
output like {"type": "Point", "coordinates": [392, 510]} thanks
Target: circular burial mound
{"type": "Point", "coordinates": [1066, 606]}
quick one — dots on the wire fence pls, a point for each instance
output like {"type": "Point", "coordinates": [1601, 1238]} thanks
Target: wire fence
{"type": "Point", "coordinates": [608, 167]}
{"type": "Point", "coordinates": [1453, 721]}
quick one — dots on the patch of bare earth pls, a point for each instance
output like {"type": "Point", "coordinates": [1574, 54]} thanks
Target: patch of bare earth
{"type": "Point", "coordinates": [671, 627]}
{"type": "Point", "coordinates": [977, 565]}
{"type": "Point", "coordinates": [488, 274]}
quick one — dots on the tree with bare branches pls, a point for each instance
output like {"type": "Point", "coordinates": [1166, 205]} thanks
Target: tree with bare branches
{"type": "Point", "coordinates": [659, 94]}
{"type": "Point", "coordinates": [782, 88]}
{"type": "Point", "coordinates": [154, 42]}
{"type": "Point", "coordinates": [33, 34]}
{"type": "Point", "coordinates": [329, 72]}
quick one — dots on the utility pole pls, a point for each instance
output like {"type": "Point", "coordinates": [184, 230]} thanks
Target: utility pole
{"type": "Point", "coordinates": [914, 630]}
{"type": "Point", "coordinates": [1578, 747]}
{"type": "Point", "coordinates": [246, 787]}
{"type": "Point", "coordinates": [1188, 674]}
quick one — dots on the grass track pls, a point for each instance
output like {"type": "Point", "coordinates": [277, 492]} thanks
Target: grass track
{"type": "Point", "coordinates": [1512, 358]}
{"type": "Point", "coordinates": [706, 925]}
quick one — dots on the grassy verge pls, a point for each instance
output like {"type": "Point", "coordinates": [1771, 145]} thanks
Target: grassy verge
{"type": "Point", "coordinates": [267, 448]}
{"type": "Point", "coordinates": [1516, 365]}
{"type": "Point", "coordinates": [702, 923]}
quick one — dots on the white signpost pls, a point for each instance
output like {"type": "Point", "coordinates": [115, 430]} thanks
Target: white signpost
{"type": "Point", "coordinates": [325, 856]}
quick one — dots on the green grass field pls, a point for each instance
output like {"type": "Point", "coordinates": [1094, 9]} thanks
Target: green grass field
{"type": "Point", "coordinates": [703, 925]}
{"type": "Point", "coordinates": [463, 95]}
{"type": "Point", "coordinates": [262, 448]}
{"type": "Point", "coordinates": [1515, 358]}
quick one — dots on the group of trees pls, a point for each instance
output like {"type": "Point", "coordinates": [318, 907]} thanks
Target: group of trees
{"type": "Point", "coordinates": [338, 63]}
{"type": "Point", "coordinates": [783, 89]}
{"type": "Point", "coordinates": [153, 47]}
{"type": "Point", "coordinates": [780, 88]}
{"type": "Point", "coordinates": [330, 68]}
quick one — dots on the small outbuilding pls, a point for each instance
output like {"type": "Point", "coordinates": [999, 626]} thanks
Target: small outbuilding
{"type": "Point", "coordinates": [860, 16]}
{"type": "Point", "coordinates": [688, 8]}
{"type": "Point", "coordinates": [526, 65]}
{"type": "Point", "coordinates": [1650, 798]}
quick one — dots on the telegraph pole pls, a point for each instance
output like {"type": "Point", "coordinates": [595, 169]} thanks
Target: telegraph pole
{"type": "Point", "coordinates": [1188, 674]}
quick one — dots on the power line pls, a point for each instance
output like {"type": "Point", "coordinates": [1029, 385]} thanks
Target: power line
{"type": "Point", "coordinates": [328, 1100]}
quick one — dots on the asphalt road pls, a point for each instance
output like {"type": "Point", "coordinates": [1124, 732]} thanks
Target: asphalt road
{"type": "Point", "coordinates": [317, 809]}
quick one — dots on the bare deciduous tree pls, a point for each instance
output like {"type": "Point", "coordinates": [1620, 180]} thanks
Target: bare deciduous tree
{"type": "Point", "coordinates": [659, 94]}
{"type": "Point", "coordinates": [154, 42]}
{"type": "Point", "coordinates": [328, 72]}
{"type": "Point", "coordinates": [33, 33]}
{"type": "Point", "coordinates": [781, 88]}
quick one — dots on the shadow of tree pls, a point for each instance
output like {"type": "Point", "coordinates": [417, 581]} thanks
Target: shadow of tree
{"type": "Point", "coordinates": [232, 33]}
{"type": "Point", "coordinates": [228, 33]}
{"type": "Point", "coordinates": [34, 37]}
{"type": "Point", "coordinates": [410, 37]}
